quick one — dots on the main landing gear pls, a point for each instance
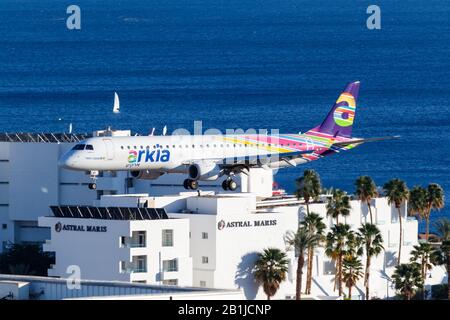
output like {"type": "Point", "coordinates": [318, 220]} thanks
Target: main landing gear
{"type": "Point", "coordinates": [93, 185]}
{"type": "Point", "coordinates": [229, 184]}
{"type": "Point", "coordinates": [190, 184]}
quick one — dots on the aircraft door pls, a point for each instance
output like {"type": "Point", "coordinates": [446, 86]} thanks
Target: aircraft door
{"type": "Point", "coordinates": [109, 149]}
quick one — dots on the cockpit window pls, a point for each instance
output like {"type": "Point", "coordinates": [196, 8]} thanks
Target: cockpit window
{"type": "Point", "coordinates": [79, 147]}
{"type": "Point", "coordinates": [89, 147]}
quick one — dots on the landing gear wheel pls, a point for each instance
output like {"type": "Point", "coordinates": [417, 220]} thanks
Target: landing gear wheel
{"type": "Point", "coordinates": [92, 186]}
{"type": "Point", "coordinates": [186, 184]}
{"type": "Point", "coordinates": [225, 185]}
{"type": "Point", "coordinates": [193, 184]}
{"type": "Point", "coordinates": [232, 185]}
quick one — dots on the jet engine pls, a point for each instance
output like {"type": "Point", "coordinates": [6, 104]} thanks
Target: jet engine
{"type": "Point", "coordinates": [146, 174]}
{"type": "Point", "coordinates": [204, 170]}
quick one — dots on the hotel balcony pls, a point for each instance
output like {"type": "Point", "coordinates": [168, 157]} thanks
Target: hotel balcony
{"type": "Point", "coordinates": [137, 265]}
{"type": "Point", "coordinates": [137, 240]}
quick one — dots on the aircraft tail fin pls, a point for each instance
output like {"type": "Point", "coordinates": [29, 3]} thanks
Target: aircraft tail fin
{"type": "Point", "coordinates": [339, 121]}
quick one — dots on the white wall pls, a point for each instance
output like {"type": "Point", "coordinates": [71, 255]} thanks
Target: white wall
{"type": "Point", "coordinates": [98, 254]}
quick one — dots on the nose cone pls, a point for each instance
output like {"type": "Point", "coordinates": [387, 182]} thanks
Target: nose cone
{"type": "Point", "coordinates": [68, 161]}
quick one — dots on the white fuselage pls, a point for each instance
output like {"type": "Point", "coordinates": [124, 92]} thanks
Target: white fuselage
{"type": "Point", "coordinates": [174, 153]}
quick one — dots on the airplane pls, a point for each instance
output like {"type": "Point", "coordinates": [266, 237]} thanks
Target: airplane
{"type": "Point", "coordinates": [209, 157]}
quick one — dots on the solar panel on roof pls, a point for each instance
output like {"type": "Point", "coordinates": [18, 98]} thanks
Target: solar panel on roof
{"type": "Point", "coordinates": [162, 213]}
{"type": "Point", "coordinates": [140, 214]}
{"type": "Point", "coordinates": [43, 137]}
{"type": "Point", "coordinates": [103, 212]}
{"type": "Point", "coordinates": [85, 213]}
{"type": "Point", "coordinates": [152, 213]}
{"type": "Point", "coordinates": [115, 213]}
{"type": "Point", "coordinates": [56, 211]}
{"type": "Point", "coordinates": [109, 213]}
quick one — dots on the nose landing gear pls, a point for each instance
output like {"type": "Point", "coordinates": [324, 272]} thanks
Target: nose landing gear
{"type": "Point", "coordinates": [94, 175]}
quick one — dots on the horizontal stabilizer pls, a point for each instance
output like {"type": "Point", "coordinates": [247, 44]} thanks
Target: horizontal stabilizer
{"type": "Point", "coordinates": [357, 141]}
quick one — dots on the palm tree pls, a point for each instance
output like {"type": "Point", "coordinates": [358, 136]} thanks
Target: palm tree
{"type": "Point", "coordinates": [418, 201]}
{"type": "Point", "coordinates": [441, 255]}
{"type": "Point", "coordinates": [422, 254]}
{"type": "Point", "coordinates": [340, 241]}
{"type": "Point", "coordinates": [435, 201]}
{"type": "Point", "coordinates": [397, 193]}
{"type": "Point", "coordinates": [371, 243]}
{"type": "Point", "coordinates": [314, 224]}
{"type": "Point", "coordinates": [442, 227]}
{"type": "Point", "coordinates": [352, 272]}
{"type": "Point", "coordinates": [270, 270]}
{"type": "Point", "coordinates": [407, 279]}
{"type": "Point", "coordinates": [338, 205]}
{"type": "Point", "coordinates": [308, 187]}
{"type": "Point", "coordinates": [366, 190]}
{"type": "Point", "coordinates": [300, 241]}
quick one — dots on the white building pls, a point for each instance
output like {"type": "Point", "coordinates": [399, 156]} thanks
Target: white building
{"type": "Point", "coordinates": [150, 249]}
{"type": "Point", "coordinates": [226, 231]}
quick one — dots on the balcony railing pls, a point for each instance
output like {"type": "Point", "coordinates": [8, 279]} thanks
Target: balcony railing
{"type": "Point", "coordinates": [134, 270]}
{"type": "Point", "coordinates": [133, 245]}
{"type": "Point", "coordinates": [136, 245]}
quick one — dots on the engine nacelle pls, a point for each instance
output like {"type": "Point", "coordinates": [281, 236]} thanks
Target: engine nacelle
{"type": "Point", "coordinates": [204, 170]}
{"type": "Point", "coordinates": [146, 174]}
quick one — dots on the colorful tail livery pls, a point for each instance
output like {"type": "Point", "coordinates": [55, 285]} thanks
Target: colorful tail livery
{"type": "Point", "coordinates": [339, 121]}
{"type": "Point", "coordinates": [208, 157]}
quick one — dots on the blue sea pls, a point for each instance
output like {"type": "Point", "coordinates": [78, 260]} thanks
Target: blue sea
{"type": "Point", "coordinates": [239, 64]}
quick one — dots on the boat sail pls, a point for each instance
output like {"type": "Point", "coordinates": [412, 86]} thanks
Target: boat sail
{"type": "Point", "coordinates": [116, 108]}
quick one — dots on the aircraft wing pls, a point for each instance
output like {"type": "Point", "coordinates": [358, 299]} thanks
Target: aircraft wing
{"type": "Point", "coordinates": [358, 141]}
{"type": "Point", "coordinates": [252, 160]}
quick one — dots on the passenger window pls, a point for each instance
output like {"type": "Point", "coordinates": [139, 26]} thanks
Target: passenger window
{"type": "Point", "coordinates": [89, 147]}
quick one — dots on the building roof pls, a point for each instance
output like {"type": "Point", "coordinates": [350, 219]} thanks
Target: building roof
{"type": "Point", "coordinates": [43, 137]}
{"type": "Point", "coordinates": [109, 213]}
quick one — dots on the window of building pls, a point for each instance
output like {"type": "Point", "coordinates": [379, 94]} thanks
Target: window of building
{"type": "Point", "coordinates": [167, 238]}
{"type": "Point", "coordinates": [204, 260]}
{"type": "Point", "coordinates": [170, 282]}
{"type": "Point", "coordinates": [329, 267]}
{"type": "Point", "coordinates": [202, 283]}
{"type": "Point", "coordinates": [170, 265]}
{"type": "Point", "coordinates": [204, 235]}
{"type": "Point", "coordinates": [4, 226]}
{"type": "Point", "coordinates": [138, 239]}
{"type": "Point", "coordinates": [140, 264]}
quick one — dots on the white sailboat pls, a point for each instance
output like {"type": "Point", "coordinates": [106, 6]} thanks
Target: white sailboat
{"type": "Point", "coordinates": [116, 108]}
